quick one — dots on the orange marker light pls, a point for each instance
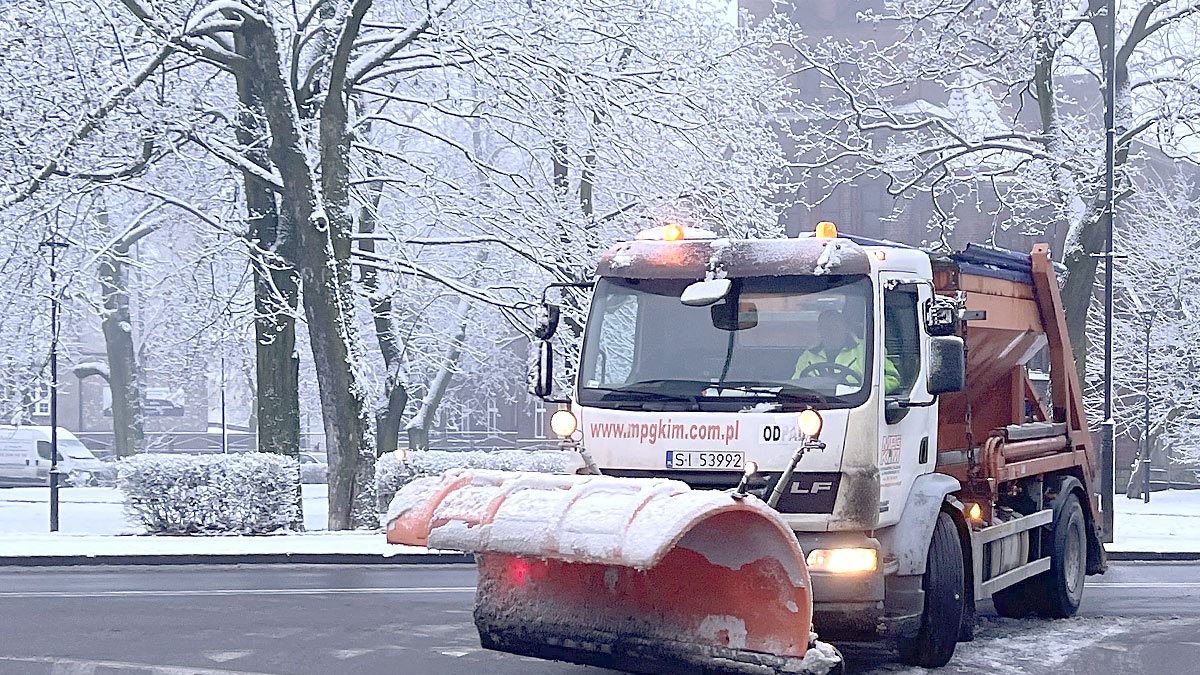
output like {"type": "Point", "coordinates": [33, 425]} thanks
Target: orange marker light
{"type": "Point", "coordinates": [673, 232]}
{"type": "Point", "coordinates": [826, 230]}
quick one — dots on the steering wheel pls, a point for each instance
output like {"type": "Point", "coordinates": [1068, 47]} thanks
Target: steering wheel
{"type": "Point", "coordinates": [828, 369]}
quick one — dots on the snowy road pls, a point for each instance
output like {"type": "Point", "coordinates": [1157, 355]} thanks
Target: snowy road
{"type": "Point", "coordinates": [372, 620]}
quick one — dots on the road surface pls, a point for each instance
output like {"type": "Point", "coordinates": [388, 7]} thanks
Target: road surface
{"type": "Point", "coordinates": [1138, 618]}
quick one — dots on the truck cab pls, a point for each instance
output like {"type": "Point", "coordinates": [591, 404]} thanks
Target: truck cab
{"type": "Point", "coordinates": [701, 354]}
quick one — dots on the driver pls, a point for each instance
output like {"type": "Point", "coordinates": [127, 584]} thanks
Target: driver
{"type": "Point", "coordinates": [840, 346]}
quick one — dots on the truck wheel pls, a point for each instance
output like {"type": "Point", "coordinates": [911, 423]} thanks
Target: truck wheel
{"type": "Point", "coordinates": [1068, 562]}
{"type": "Point", "coordinates": [933, 645]}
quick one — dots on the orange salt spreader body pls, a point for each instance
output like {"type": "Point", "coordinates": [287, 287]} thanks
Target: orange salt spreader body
{"type": "Point", "coordinates": [643, 575]}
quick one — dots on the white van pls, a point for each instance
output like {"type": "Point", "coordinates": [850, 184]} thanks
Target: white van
{"type": "Point", "coordinates": [25, 458]}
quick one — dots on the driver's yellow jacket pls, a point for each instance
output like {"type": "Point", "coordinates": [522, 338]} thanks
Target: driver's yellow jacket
{"type": "Point", "coordinates": [854, 358]}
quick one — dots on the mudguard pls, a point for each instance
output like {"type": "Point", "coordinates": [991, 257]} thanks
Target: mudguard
{"type": "Point", "coordinates": [908, 540]}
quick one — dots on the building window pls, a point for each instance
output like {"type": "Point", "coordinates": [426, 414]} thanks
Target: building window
{"type": "Point", "coordinates": [41, 399]}
{"type": "Point", "coordinates": [539, 419]}
{"type": "Point", "coordinates": [493, 417]}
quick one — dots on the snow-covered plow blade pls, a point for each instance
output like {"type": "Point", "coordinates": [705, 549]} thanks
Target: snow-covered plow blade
{"type": "Point", "coordinates": [644, 575]}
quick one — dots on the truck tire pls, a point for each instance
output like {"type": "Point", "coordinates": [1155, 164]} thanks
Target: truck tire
{"type": "Point", "coordinates": [941, 620]}
{"type": "Point", "coordinates": [1054, 594]}
{"type": "Point", "coordinates": [1063, 584]}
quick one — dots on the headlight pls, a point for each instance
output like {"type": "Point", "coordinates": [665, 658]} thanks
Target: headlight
{"type": "Point", "coordinates": [843, 560]}
{"type": "Point", "coordinates": [563, 423]}
{"type": "Point", "coordinates": [810, 423]}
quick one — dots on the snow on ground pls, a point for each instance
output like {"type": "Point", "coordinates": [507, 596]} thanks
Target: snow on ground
{"type": "Point", "coordinates": [98, 510]}
{"type": "Point", "coordinates": [1014, 646]}
{"type": "Point", "coordinates": [1169, 523]}
{"type": "Point", "coordinates": [360, 542]}
{"type": "Point", "coordinates": [92, 518]}
{"type": "Point", "coordinates": [92, 522]}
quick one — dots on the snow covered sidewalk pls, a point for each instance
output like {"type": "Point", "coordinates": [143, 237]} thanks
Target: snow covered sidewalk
{"type": "Point", "coordinates": [1170, 523]}
{"type": "Point", "coordinates": [93, 525]}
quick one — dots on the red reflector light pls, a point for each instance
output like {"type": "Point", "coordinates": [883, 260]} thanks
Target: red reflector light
{"type": "Point", "coordinates": [518, 572]}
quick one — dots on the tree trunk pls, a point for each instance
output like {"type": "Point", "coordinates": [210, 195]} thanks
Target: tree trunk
{"type": "Point", "coordinates": [389, 417]}
{"type": "Point", "coordinates": [124, 375]}
{"type": "Point", "coordinates": [418, 427]}
{"type": "Point", "coordinates": [322, 259]}
{"type": "Point", "coordinates": [276, 416]}
{"type": "Point", "coordinates": [276, 291]}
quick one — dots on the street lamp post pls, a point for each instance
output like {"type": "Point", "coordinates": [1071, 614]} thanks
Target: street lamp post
{"type": "Point", "coordinates": [54, 242]}
{"type": "Point", "coordinates": [224, 428]}
{"type": "Point", "coordinates": [1108, 425]}
{"type": "Point", "coordinates": [1147, 460]}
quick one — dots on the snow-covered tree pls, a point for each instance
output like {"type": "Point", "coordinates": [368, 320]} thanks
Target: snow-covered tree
{"type": "Point", "coordinates": [1159, 283]}
{"type": "Point", "coordinates": [1020, 138]}
{"type": "Point", "coordinates": [473, 150]}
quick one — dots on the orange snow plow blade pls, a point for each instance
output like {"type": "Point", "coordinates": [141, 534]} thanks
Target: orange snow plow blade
{"type": "Point", "coordinates": [644, 575]}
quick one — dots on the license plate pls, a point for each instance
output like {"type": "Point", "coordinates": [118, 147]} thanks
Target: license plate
{"type": "Point", "coordinates": [705, 459]}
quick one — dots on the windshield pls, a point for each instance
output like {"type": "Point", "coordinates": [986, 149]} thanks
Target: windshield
{"type": "Point", "coordinates": [797, 341]}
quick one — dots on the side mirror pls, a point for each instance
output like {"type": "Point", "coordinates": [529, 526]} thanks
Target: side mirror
{"type": "Point", "coordinates": [543, 372]}
{"type": "Point", "coordinates": [947, 365]}
{"type": "Point", "coordinates": [547, 322]}
{"type": "Point", "coordinates": [705, 293]}
{"type": "Point", "coordinates": [941, 316]}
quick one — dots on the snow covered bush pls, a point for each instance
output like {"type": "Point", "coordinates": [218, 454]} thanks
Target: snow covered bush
{"type": "Point", "coordinates": [251, 493]}
{"type": "Point", "coordinates": [391, 473]}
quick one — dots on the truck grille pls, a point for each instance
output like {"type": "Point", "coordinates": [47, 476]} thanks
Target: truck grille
{"type": "Point", "coordinates": [810, 492]}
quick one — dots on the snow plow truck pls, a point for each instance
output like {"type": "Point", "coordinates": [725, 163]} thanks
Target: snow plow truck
{"type": "Point", "coordinates": [822, 431]}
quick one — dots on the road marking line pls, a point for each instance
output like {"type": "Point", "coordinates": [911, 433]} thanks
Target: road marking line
{"type": "Point", "coordinates": [80, 665]}
{"type": "Point", "coordinates": [237, 591]}
{"type": "Point", "coordinates": [1145, 584]}
{"type": "Point", "coordinates": [222, 657]}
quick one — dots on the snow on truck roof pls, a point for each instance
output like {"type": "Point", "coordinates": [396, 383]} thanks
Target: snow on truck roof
{"type": "Point", "coordinates": [699, 258]}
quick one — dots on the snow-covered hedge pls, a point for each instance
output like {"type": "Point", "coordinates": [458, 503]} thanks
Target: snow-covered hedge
{"type": "Point", "coordinates": [391, 474]}
{"type": "Point", "coordinates": [251, 493]}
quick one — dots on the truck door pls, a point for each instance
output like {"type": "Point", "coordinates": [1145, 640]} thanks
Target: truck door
{"type": "Point", "coordinates": [906, 444]}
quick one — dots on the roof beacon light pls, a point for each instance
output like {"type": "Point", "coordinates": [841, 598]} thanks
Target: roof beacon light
{"type": "Point", "coordinates": [674, 232]}
{"type": "Point", "coordinates": [826, 230]}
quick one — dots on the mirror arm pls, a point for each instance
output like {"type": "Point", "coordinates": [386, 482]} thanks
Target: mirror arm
{"type": "Point", "coordinates": [566, 284]}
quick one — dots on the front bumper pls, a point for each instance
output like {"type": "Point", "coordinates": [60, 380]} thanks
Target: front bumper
{"type": "Point", "coordinates": [861, 606]}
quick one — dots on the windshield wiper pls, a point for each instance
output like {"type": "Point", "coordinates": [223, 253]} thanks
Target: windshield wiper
{"type": "Point", "coordinates": [775, 392]}
{"type": "Point", "coordinates": [651, 395]}
{"type": "Point", "coordinates": [779, 392]}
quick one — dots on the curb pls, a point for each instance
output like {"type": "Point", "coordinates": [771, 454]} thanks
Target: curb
{"type": "Point", "coordinates": [377, 559]}
{"type": "Point", "coordinates": [1154, 556]}
{"type": "Point", "coordinates": [239, 559]}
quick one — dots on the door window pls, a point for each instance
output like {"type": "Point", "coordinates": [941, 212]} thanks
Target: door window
{"type": "Point", "coordinates": [901, 339]}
